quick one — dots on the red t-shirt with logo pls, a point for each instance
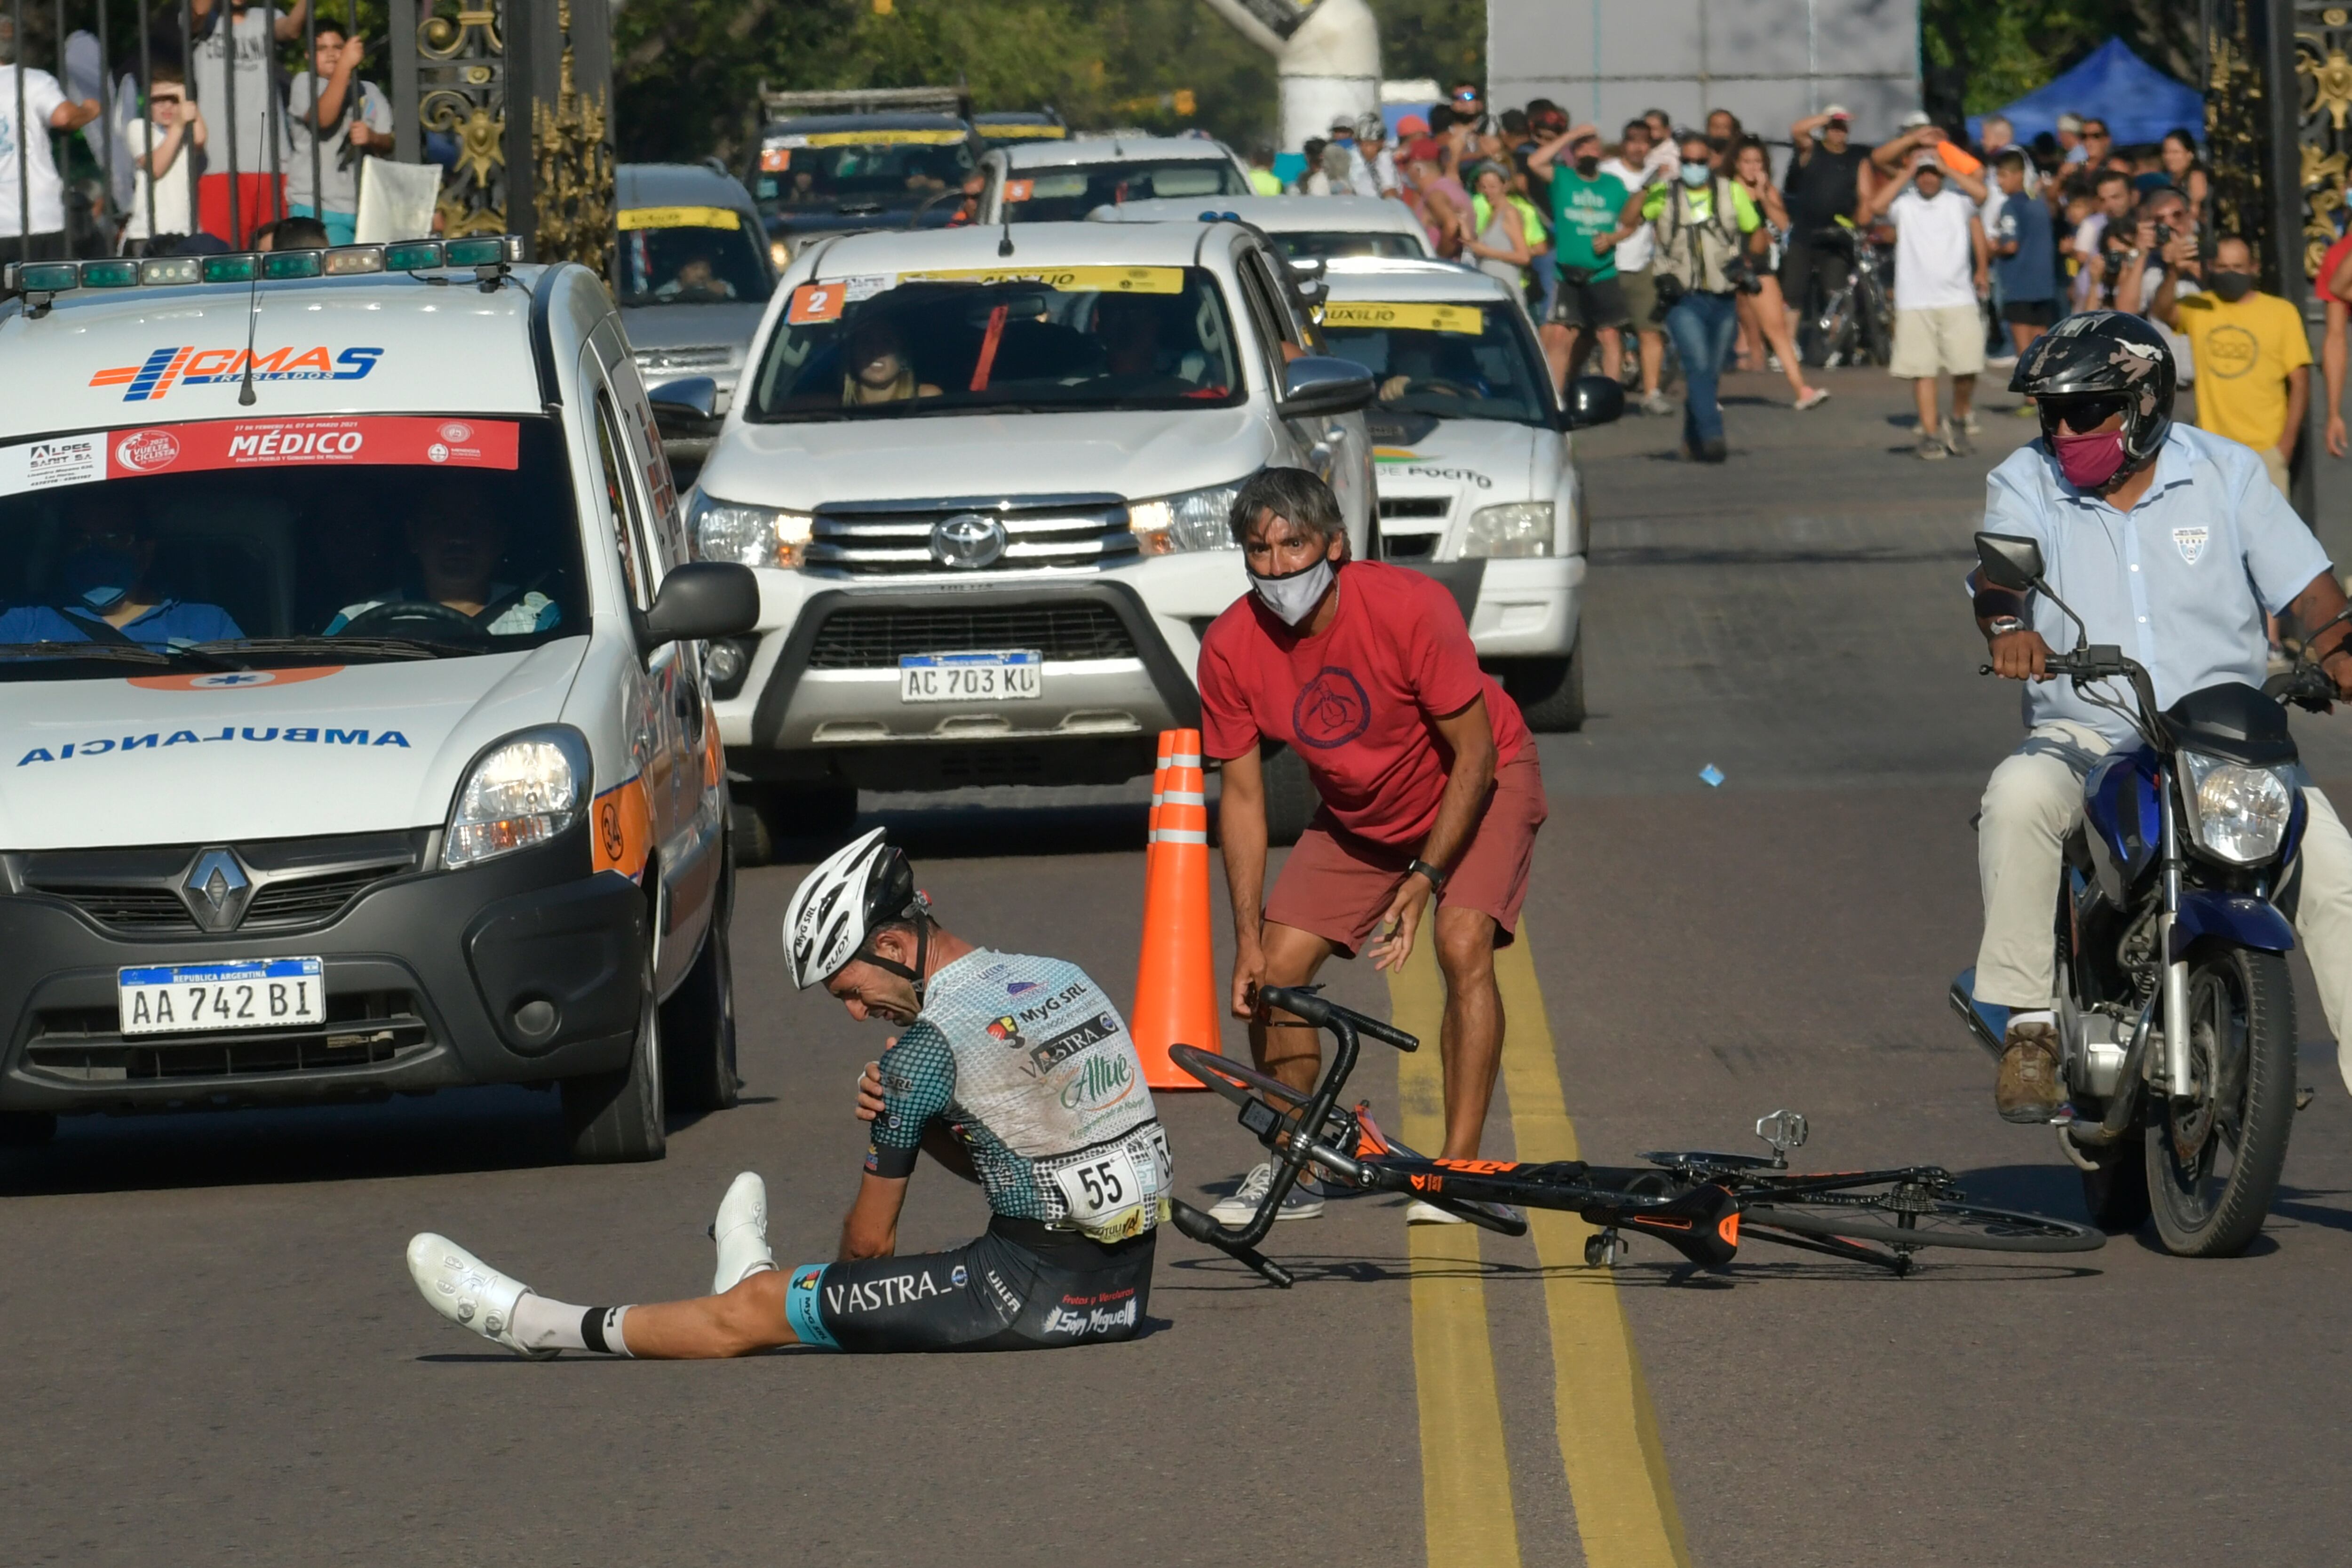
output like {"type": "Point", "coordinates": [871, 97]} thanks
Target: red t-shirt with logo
{"type": "Point", "coordinates": [1359, 701]}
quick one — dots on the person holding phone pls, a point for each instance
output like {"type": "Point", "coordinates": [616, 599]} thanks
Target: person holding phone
{"type": "Point", "coordinates": [337, 121]}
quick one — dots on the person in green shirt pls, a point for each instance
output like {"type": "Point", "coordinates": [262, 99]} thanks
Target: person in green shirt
{"type": "Point", "coordinates": [1585, 205]}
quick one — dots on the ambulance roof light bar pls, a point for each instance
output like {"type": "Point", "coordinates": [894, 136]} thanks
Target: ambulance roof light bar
{"type": "Point", "coordinates": [39, 282]}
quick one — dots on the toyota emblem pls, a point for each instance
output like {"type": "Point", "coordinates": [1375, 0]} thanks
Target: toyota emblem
{"type": "Point", "coordinates": [968, 540]}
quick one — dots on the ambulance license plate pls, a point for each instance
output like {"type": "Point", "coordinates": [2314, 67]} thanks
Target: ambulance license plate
{"type": "Point", "coordinates": [1000, 676]}
{"type": "Point", "coordinates": [236, 994]}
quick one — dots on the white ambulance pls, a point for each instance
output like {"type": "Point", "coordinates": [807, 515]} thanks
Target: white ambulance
{"type": "Point", "coordinates": [353, 732]}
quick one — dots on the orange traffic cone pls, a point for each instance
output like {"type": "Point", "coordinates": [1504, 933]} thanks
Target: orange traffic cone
{"type": "Point", "coordinates": [1175, 982]}
{"type": "Point", "coordinates": [1159, 791]}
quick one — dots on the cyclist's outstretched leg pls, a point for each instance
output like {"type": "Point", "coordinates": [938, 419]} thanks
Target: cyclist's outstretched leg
{"type": "Point", "coordinates": [1021, 1286]}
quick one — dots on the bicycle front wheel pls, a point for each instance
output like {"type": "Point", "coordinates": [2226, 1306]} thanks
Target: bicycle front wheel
{"type": "Point", "coordinates": [1907, 1223]}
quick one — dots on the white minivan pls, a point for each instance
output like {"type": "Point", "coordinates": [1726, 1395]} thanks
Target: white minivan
{"type": "Point", "coordinates": [984, 477]}
{"type": "Point", "coordinates": [354, 735]}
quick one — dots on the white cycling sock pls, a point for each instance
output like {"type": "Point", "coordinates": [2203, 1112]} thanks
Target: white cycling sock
{"type": "Point", "coordinates": [2032, 1015]}
{"type": "Point", "coordinates": [541, 1324]}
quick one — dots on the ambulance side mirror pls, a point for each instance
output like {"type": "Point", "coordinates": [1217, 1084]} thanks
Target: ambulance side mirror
{"type": "Point", "coordinates": [700, 601]}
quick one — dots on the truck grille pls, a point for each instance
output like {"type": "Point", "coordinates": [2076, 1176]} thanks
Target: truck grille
{"type": "Point", "coordinates": [362, 1028]}
{"type": "Point", "coordinates": [1415, 506]}
{"type": "Point", "coordinates": [296, 881]}
{"type": "Point", "coordinates": [855, 639]}
{"type": "Point", "coordinates": [1079, 533]}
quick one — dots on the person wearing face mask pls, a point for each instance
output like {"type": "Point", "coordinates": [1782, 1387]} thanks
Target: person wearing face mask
{"type": "Point", "coordinates": [1705, 228]}
{"type": "Point", "coordinates": [2253, 359]}
{"type": "Point", "coordinates": [100, 590]}
{"type": "Point", "coordinates": [2169, 544]}
{"type": "Point", "coordinates": [1430, 786]}
{"type": "Point", "coordinates": [1586, 201]}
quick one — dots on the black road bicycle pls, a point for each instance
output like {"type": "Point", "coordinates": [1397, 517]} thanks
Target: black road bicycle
{"type": "Point", "coordinates": [1701, 1205]}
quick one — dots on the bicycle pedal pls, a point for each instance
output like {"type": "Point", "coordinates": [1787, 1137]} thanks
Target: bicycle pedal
{"type": "Point", "coordinates": [1602, 1250]}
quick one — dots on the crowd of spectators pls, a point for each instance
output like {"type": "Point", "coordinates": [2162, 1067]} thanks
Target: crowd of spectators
{"type": "Point", "coordinates": [1731, 248]}
{"type": "Point", "coordinates": [251, 128]}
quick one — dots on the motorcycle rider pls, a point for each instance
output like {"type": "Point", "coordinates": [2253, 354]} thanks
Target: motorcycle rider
{"type": "Point", "coordinates": [2172, 544]}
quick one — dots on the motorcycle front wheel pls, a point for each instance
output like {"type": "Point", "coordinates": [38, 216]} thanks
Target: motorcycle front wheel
{"type": "Point", "coordinates": [2213, 1159]}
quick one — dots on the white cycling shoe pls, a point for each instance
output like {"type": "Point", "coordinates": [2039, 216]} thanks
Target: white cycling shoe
{"type": "Point", "coordinates": [467, 1292]}
{"type": "Point", "coordinates": [741, 1231]}
{"type": "Point", "coordinates": [1420, 1213]}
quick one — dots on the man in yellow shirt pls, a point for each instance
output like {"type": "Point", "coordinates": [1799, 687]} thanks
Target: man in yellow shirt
{"type": "Point", "coordinates": [2254, 360]}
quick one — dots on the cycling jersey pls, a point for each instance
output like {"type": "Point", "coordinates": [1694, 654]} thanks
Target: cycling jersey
{"type": "Point", "coordinates": [1021, 1286]}
{"type": "Point", "coordinates": [1030, 1068]}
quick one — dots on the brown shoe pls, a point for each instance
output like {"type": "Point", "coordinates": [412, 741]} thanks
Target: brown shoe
{"type": "Point", "coordinates": [2028, 1088]}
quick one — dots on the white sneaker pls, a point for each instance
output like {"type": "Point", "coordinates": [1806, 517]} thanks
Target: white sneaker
{"type": "Point", "coordinates": [1242, 1206]}
{"type": "Point", "coordinates": [741, 1231]}
{"type": "Point", "coordinates": [1657, 403]}
{"type": "Point", "coordinates": [1418, 1213]}
{"type": "Point", "coordinates": [467, 1292]}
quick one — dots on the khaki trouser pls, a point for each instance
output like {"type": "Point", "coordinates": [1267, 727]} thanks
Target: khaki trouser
{"type": "Point", "coordinates": [2275, 466]}
{"type": "Point", "coordinates": [2035, 798]}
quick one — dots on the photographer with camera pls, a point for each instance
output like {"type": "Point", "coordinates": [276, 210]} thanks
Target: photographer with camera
{"type": "Point", "coordinates": [1942, 275]}
{"type": "Point", "coordinates": [1708, 231]}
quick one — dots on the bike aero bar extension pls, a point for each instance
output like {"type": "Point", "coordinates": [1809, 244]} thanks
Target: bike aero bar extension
{"type": "Point", "coordinates": [1344, 1024]}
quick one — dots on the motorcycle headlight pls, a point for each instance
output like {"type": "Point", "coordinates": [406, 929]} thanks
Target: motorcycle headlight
{"type": "Point", "coordinates": [2238, 813]}
{"type": "Point", "coordinates": [1517, 528]}
{"type": "Point", "coordinates": [519, 793]}
{"type": "Point", "coordinates": [1195, 520]}
{"type": "Point", "coordinates": [751, 535]}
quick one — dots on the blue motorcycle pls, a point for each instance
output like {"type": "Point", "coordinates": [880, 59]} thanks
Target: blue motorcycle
{"type": "Point", "coordinates": [2175, 1010]}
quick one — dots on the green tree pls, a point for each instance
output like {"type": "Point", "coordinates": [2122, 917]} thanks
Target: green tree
{"type": "Point", "coordinates": [2003, 49]}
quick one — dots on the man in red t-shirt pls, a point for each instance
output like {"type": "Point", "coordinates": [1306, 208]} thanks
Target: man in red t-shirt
{"type": "Point", "coordinates": [1430, 787]}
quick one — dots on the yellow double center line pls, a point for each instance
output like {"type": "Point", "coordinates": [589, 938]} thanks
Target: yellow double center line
{"type": "Point", "coordinates": [1609, 1443]}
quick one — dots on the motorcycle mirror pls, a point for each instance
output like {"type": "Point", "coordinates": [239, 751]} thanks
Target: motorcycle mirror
{"type": "Point", "coordinates": [2009, 561]}
{"type": "Point", "coordinates": [2013, 562]}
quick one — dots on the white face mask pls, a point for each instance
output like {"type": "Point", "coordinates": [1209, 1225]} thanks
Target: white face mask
{"type": "Point", "coordinates": [1294, 595]}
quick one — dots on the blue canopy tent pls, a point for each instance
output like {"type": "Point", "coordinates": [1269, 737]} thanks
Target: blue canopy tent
{"type": "Point", "coordinates": [2138, 102]}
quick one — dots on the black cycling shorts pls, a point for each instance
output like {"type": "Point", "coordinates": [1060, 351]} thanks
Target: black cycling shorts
{"type": "Point", "coordinates": [1020, 1287]}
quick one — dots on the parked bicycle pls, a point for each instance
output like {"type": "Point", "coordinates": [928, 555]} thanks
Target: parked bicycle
{"type": "Point", "coordinates": [1855, 325]}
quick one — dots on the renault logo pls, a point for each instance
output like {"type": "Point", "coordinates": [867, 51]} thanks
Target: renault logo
{"type": "Point", "coordinates": [216, 889]}
{"type": "Point", "coordinates": [968, 540]}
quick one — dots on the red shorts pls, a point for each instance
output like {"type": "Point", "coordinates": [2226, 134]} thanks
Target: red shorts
{"type": "Point", "coordinates": [1339, 885]}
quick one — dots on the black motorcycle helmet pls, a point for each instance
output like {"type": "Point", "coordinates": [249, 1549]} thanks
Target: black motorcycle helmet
{"type": "Point", "coordinates": [2094, 363]}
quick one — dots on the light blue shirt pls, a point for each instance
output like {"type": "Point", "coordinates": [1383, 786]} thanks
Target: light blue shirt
{"type": "Point", "coordinates": [2180, 583]}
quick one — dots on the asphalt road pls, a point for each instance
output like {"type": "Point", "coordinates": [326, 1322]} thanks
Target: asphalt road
{"type": "Point", "coordinates": [215, 1355]}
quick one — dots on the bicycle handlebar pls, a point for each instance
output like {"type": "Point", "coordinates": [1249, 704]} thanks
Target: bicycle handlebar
{"type": "Point", "coordinates": [1303, 1003]}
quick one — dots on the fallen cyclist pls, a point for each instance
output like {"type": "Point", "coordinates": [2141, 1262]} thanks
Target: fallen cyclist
{"type": "Point", "coordinates": [1014, 1072]}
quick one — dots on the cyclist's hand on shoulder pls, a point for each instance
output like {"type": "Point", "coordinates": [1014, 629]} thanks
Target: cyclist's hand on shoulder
{"type": "Point", "coordinates": [869, 1087]}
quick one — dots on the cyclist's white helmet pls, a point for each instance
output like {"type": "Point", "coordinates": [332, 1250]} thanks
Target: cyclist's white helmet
{"type": "Point", "coordinates": [857, 889]}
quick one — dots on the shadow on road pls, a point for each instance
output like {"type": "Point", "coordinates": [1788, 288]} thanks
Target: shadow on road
{"type": "Point", "coordinates": [454, 1130]}
{"type": "Point", "coordinates": [956, 831]}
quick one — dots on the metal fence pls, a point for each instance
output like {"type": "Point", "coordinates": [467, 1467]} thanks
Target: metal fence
{"type": "Point", "coordinates": [126, 140]}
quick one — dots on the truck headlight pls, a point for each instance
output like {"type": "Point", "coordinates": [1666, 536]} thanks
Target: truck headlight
{"type": "Point", "coordinates": [1194, 520]}
{"type": "Point", "coordinates": [751, 535]}
{"type": "Point", "coordinates": [1517, 528]}
{"type": "Point", "coordinates": [2238, 813]}
{"type": "Point", "coordinates": [521, 792]}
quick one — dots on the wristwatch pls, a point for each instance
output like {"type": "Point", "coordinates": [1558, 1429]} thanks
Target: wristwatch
{"type": "Point", "coordinates": [1436, 878]}
{"type": "Point", "coordinates": [2002, 626]}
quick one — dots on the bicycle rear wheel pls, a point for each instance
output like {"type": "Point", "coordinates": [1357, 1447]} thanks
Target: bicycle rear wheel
{"type": "Point", "coordinates": [1907, 1223]}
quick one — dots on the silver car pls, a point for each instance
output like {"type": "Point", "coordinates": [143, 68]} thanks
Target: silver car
{"type": "Point", "coordinates": [695, 278]}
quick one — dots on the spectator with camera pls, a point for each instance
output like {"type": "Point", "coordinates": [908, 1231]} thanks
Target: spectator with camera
{"type": "Point", "coordinates": [1942, 275]}
{"type": "Point", "coordinates": [1706, 229]}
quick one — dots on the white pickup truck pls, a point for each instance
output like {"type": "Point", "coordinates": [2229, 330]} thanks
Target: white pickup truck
{"type": "Point", "coordinates": [983, 478]}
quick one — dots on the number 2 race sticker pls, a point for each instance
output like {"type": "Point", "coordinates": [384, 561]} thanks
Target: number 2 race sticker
{"type": "Point", "coordinates": [814, 303]}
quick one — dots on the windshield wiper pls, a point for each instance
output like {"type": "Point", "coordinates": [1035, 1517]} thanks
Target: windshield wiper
{"type": "Point", "coordinates": [379, 647]}
{"type": "Point", "coordinates": [121, 653]}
